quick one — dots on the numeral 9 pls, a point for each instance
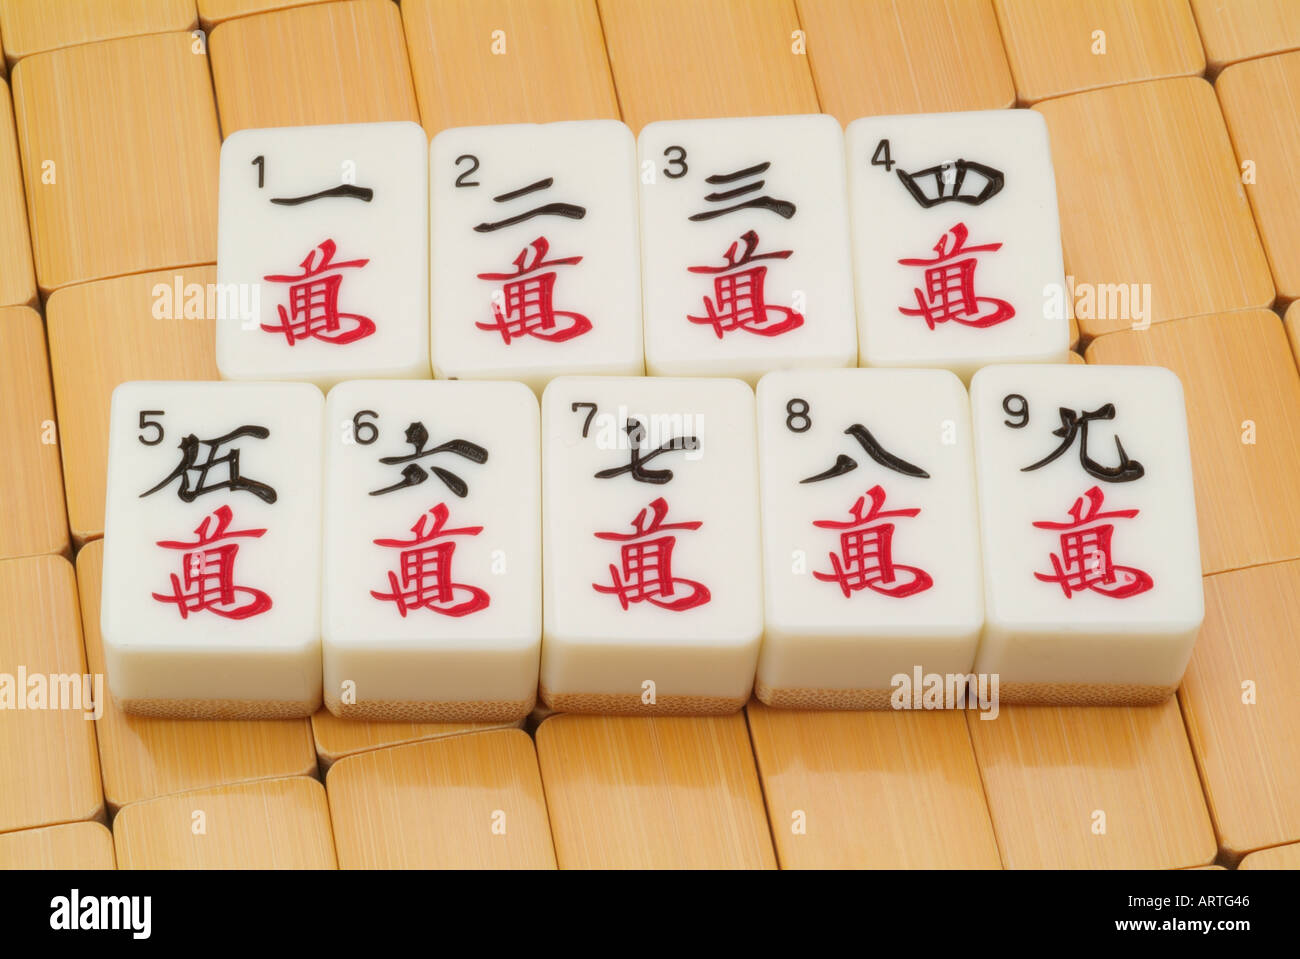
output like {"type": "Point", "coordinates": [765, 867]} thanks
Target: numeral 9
{"type": "Point", "coordinates": [1016, 405]}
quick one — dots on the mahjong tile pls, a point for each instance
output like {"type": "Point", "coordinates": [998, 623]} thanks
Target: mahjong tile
{"type": "Point", "coordinates": [432, 570]}
{"type": "Point", "coordinates": [535, 263]}
{"type": "Point", "coordinates": [1091, 564]}
{"type": "Point", "coordinates": [322, 259]}
{"type": "Point", "coordinates": [745, 246]}
{"type": "Point", "coordinates": [870, 534]}
{"type": "Point", "coordinates": [652, 593]}
{"type": "Point", "coordinates": [956, 241]}
{"type": "Point", "coordinates": [211, 590]}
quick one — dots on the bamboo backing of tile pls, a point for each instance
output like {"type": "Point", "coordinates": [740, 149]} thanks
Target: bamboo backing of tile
{"type": "Point", "coordinates": [635, 792]}
{"type": "Point", "coordinates": [18, 277]}
{"type": "Point", "coordinates": [470, 802]}
{"type": "Point", "coordinates": [74, 845]}
{"type": "Point", "coordinates": [273, 824]}
{"type": "Point", "coordinates": [905, 56]}
{"type": "Point", "coordinates": [1279, 857]}
{"type": "Point", "coordinates": [1246, 28]}
{"type": "Point", "coordinates": [882, 790]}
{"type": "Point", "coordinates": [325, 63]}
{"type": "Point", "coordinates": [1049, 770]}
{"type": "Point", "coordinates": [31, 27]}
{"type": "Point", "coordinates": [507, 61]}
{"type": "Point", "coordinates": [119, 145]}
{"type": "Point", "coordinates": [31, 481]}
{"type": "Point", "coordinates": [1054, 48]}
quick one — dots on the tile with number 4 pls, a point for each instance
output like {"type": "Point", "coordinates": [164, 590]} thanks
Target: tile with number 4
{"type": "Point", "coordinates": [322, 253]}
{"type": "Point", "coordinates": [535, 262]}
{"type": "Point", "coordinates": [1091, 565]}
{"type": "Point", "coordinates": [652, 593]}
{"type": "Point", "coordinates": [956, 241]}
{"type": "Point", "coordinates": [870, 534]}
{"type": "Point", "coordinates": [745, 246]}
{"type": "Point", "coordinates": [433, 581]}
{"type": "Point", "coordinates": [211, 589]}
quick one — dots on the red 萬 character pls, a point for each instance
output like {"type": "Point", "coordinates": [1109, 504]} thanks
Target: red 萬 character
{"type": "Point", "coordinates": [424, 579]}
{"type": "Point", "coordinates": [208, 572]}
{"type": "Point", "coordinates": [949, 292]}
{"type": "Point", "coordinates": [738, 301]}
{"type": "Point", "coordinates": [313, 311]}
{"type": "Point", "coordinates": [1084, 561]}
{"type": "Point", "coordinates": [645, 572]}
{"type": "Point", "coordinates": [525, 306]}
{"type": "Point", "coordinates": [866, 559]}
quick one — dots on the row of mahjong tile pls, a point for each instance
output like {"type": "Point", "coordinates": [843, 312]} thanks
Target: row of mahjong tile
{"type": "Point", "coordinates": [756, 238]}
{"type": "Point", "coordinates": [664, 544]}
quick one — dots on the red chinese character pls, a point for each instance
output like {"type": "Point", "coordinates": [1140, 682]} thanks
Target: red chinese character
{"type": "Point", "coordinates": [866, 560]}
{"type": "Point", "coordinates": [425, 567]}
{"type": "Point", "coordinates": [950, 286]}
{"type": "Point", "coordinates": [647, 571]}
{"type": "Point", "coordinates": [208, 581]}
{"type": "Point", "coordinates": [314, 301]}
{"type": "Point", "coordinates": [526, 306]}
{"type": "Point", "coordinates": [1085, 561]}
{"type": "Point", "coordinates": [740, 303]}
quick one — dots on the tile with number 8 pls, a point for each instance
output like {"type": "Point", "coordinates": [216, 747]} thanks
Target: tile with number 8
{"type": "Point", "coordinates": [211, 589]}
{"type": "Point", "coordinates": [870, 534]}
{"type": "Point", "coordinates": [432, 609]}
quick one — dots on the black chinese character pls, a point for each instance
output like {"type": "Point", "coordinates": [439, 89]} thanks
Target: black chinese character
{"type": "Point", "coordinates": [846, 464]}
{"type": "Point", "coordinates": [1076, 424]}
{"type": "Point", "coordinates": [953, 181]}
{"type": "Point", "coordinates": [189, 447]}
{"type": "Point", "coordinates": [570, 210]}
{"type": "Point", "coordinates": [782, 208]}
{"type": "Point", "coordinates": [636, 467]}
{"type": "Point", "coordinates": [343, 191]}
{"type": "Point", "coordinates": [413, 474]}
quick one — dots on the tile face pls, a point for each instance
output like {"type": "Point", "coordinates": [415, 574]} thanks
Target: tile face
{"type": "Point", "coordinates": [535, 263]}
{"type": "Point", "coordinates": [745, 246]}
{"type": "Point", "coordinates": [871, 560]}
{"type": "Point", "coordinates": [432, 576]}
{"type": "Point", "coordinates": [956, 241]}
{"type": "Point", "coordinates": [211, 606]}
{"type": "Point", "coordinates": [652, 591]}
{"type": "Point", "coordinates": [1091, 566]}
{"type": "Point", "coordinates": [324, 243]}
